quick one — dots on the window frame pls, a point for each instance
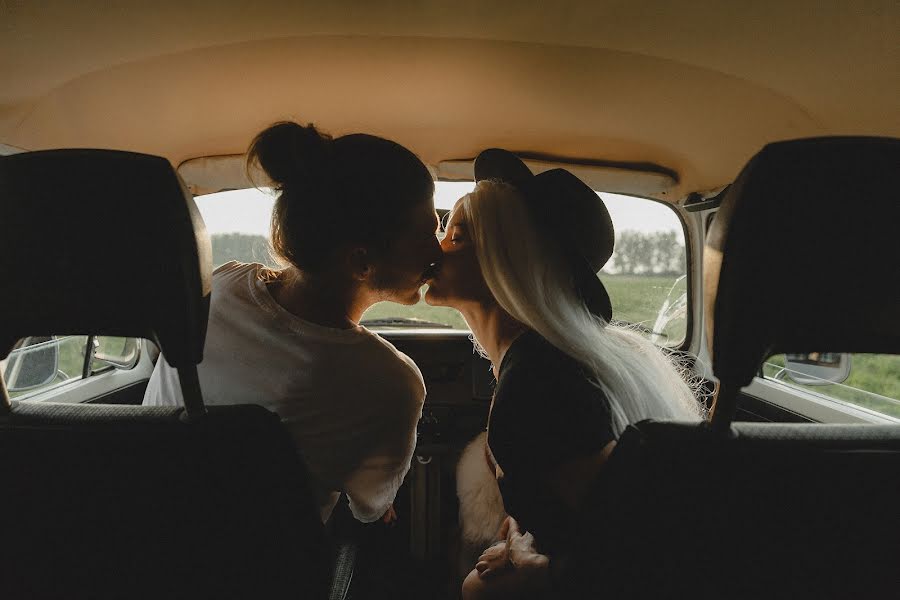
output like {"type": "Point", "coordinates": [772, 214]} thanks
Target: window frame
{"type": "Point", "coordinates": [814, 405]}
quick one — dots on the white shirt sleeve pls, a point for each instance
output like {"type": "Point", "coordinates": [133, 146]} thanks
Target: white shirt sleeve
{"type": "Point", "coordinates": [372, 487]}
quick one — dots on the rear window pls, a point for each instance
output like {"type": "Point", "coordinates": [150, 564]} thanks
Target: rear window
{"type": "Point", "coordinates": [646, 276]}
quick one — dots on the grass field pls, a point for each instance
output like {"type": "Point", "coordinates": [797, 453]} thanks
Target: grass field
{"type": "Point", "coordinates": [639, 299]}
{"type": "Point", "coordinates": [874, 382]}
{"type": "Point", "coordinates": [635, 298]}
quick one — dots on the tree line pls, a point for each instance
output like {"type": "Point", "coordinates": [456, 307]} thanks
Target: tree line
{"type": "Point", "coordinates": [640, 253]}
{"type": "Point", "coordinates": [241, 247]}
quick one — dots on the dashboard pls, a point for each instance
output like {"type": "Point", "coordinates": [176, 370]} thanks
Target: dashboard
{"type": "Point", "coordinates": [458, 381]}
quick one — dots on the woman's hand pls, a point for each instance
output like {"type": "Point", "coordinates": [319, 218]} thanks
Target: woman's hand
{"type": "Point", "coordinates": [493, 560]}
{"type": "Point", "coordinates": [390, 516]}
{"type": "Point", "coordinates": [520, 548]}
{"type": "Point", "coordinates": [516, 550]}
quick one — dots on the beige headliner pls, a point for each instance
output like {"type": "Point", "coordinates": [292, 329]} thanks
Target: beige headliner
{"type": "Point", "coordinates": [694, 89]}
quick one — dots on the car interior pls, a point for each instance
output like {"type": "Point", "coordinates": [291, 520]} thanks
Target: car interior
{"type": "Point", "coordinates": [767, 135]}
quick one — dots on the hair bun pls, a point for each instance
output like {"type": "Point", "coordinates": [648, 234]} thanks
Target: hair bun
{"type": "Point", "coordinates": [291, 154]}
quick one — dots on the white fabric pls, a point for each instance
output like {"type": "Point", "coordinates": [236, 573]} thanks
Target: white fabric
{"type": "Point", "coordinates": [481, 510]}
{"type": "Point", "coordinates": [349, 398]}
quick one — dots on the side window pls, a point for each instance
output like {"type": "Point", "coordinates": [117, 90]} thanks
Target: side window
{"type": "Point", "coordinates": [646, 277]}
{"type": "Point", "coordinates": [869, 381]}
{"type": "Point", "coordinates": [39, 363]}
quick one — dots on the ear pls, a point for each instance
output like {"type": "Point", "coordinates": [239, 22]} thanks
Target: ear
{"type": "Point", "coordinates": [360, 264]}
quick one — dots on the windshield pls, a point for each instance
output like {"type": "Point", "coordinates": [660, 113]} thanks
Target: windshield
{"type": "Point", "coordinates": [646, 276]}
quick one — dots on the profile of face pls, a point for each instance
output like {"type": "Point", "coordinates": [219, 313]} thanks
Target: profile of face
{"type": "Point", "coordinates": [400, 272]}
{"type": "Point", "coordinates": [459, 282]}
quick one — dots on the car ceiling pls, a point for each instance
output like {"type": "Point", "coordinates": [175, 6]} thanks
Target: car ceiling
{"type": "Point", "coordinates": [696, 88]}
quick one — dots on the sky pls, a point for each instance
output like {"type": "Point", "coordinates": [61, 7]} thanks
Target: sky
{"type": "Point", "coordinates": [249, 211]}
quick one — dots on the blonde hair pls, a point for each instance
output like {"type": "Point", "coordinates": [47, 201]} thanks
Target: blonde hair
{"type": "Point", "coordinates": [530, 279]}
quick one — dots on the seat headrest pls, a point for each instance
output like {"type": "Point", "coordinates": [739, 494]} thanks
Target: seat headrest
{"type": "Point", "coordinates": [102, 242]}
{"type": "Point", "coordinates": [804, 255]}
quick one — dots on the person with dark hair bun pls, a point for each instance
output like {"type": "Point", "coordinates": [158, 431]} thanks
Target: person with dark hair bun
{"type": "Point", "coordinates": [353, 224]}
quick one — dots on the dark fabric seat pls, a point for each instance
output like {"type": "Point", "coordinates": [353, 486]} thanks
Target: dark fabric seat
{"type": "Point", "coordinates": [129, 501]}
{"type": "Point", "coordinates": [767, 511]}
{"type": "Point", "coordinates": [121, 501]}
{"type": "Point", "coordinates": [752, 510]}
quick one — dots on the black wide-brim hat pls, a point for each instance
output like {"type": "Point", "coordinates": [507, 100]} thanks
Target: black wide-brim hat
{"type": "Point", "coordinates": [570, 211]}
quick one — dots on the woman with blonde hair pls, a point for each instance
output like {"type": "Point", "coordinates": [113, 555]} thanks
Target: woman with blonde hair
{"type": "Point", "coordinates": [521, 253]}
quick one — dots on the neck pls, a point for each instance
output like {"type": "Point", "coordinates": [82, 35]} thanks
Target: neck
{"type": "Point", "coordinates": [321, 298]}
{"type": "Point", "coordinates": [494, 329]}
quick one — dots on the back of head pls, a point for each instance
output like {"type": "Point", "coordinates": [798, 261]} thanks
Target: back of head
{"type": "Point", "coordinates": [354, 190]}
{"type": "Point", "coordinates": [532, 281]}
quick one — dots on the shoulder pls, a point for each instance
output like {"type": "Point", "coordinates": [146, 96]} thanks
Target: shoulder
{"type": "Point", "coordinates": [545, 399]}
{"type": "Point", "coordinates": [233, 267]}
{"type": "Point", "coordinates": [534, 365]}
{"type": "Point", "coordinates": [230, 267]}
{"type": "Point", "coordinates": [234, 271]}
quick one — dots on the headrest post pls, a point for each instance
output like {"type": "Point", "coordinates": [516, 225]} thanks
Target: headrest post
{"type": "Point", "coordinates": [5, 405]}
{"type": "Point", "coordinates": [724, 407]}
{"type": "Point", "coordinates": [190, 392]}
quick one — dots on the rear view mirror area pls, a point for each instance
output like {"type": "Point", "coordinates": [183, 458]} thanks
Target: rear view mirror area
{"type": "Point", "coordinates": [33, 363]}
{"type": "Point", "coordinates": [817, 368]}
{"type": "Point", "coordinates": [118, 352]}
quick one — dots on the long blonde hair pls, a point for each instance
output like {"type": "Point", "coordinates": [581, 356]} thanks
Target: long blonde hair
{"type": "Point", "coordinates": [529, 278]}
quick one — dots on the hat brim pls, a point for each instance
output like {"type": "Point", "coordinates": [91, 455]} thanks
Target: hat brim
{"type": "Point", "coordinates": [501, 165]}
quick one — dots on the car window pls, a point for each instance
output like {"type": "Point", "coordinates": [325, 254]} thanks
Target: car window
{"type": "Point", "coordinates": [646, 276]}
{"type": "Point", "coordinates": [40, 363]}
{"type": "Point", "coordinates": [871, 381]}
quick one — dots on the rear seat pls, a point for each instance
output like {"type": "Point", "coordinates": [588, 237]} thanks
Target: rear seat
{"type": "Point", "coordinates": [126, 501]}
{"type": "Point", "coordinates": [751, 510]}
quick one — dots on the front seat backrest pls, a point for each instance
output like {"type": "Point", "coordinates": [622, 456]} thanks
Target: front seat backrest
{"type": "Point", "coordinates": [125, 501]}
{"type": "Point", "coordinates": [803, 256]}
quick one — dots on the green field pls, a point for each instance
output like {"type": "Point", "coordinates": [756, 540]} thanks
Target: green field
{"type": "Point", "coordinates": [639, 299]}
{"type": "Point", "coordinates": [635, 298]}
{"type": "Point", "coordinates": [871, 376]}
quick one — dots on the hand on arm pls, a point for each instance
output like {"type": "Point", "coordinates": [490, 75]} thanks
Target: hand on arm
{"type": "Point", "coordinates": [516, 550]}
{"type": "Point", "coordinates": [390, 516]}
{"type": "Point", "coordinates": [372, 487]}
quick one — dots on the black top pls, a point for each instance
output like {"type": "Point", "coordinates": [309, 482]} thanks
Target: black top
{"type": "Point", "coordinates": [546, 411]}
